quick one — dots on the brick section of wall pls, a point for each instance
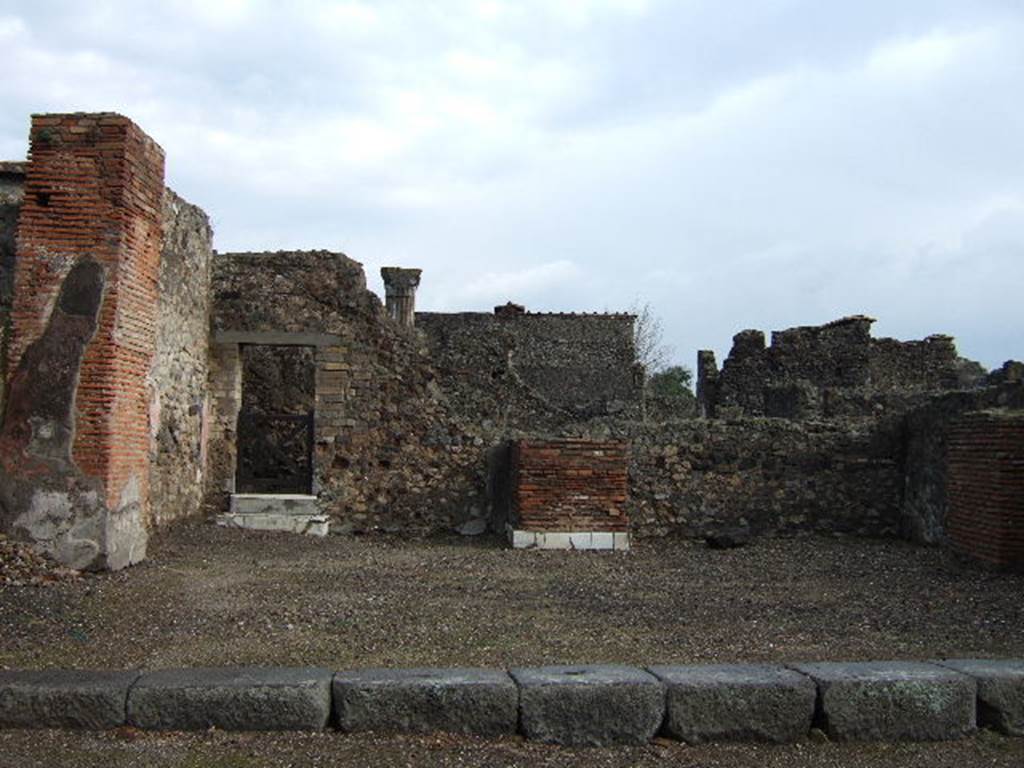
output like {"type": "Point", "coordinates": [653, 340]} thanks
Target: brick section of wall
{"type": "Point", "coordinates": [570, 485]}
{"type": "Point", "coordinates": [985, 484]}
{"type": "Point", "coordinates": [94, 186]}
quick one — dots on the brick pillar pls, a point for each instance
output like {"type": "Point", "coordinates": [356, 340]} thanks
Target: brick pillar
{"type": "Point", "coordinates": [985, 487]}
{"type": "Point", "coordinates": [93, 188]}
{"type": "Point", "coordinates": [400, 293]}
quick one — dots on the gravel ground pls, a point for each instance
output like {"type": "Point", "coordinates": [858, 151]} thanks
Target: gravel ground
{"type": "Point", "coordinates": [55, 749]}
{"type": "Point", "coordinates": [213, 596]}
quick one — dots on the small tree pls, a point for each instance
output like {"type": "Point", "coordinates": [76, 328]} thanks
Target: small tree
{"type": "Point", "coordinates": [672, 382]}
{"type": "Point", "coordinates": [649, 338]}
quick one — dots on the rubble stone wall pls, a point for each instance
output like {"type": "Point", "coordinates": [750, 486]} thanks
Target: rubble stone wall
{"type": "Point", "coordinates": [179, 376]}
{"type": "Point", "coordinates": [831, 370]}
{"type": "Point", "coordinates": [698, 477]}
{"type": "Point", "coordinates": [531, 370]}
{"type": "Point", "coordinates": [387, 452]}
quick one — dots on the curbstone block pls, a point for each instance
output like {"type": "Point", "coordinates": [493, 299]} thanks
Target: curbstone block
{"type": "Point", "coordinates": [892, 700]}
{"type": "Point", "coordinates": [737, 702]}
{"type": "Point", "coordinates": [589, 705]}
{"type": "Point", "coordinates": [475, 701]}
{"type": "Point", "coordinates": [56, 698]}
{"type": "Point", "coordinates": [233, 699]}
{"type": "Point", "coordinates": [1000, 691]}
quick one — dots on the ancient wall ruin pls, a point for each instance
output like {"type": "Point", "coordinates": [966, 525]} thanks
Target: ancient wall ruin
{"type": "Point", "coordinates": [387, 453]}
{"type": "Point", "coordinates": [178, 379]}
{"type": "Point", "coordinates": [129, 345]}
{"type": "Point", "coordinates": [986, 487]}
{"type": "Point", "coordinates": [697, 477]}
{"type": "Point", "coordinates": [827, 371]}
{"type": "Point", "coordinates": [105, 310]}
{"type": "Point", "coordinates": [75, 438]}
{"type": "Point", "coordinates": [517, 369]}
{"type": "Point", "coordinates": [925, 447]}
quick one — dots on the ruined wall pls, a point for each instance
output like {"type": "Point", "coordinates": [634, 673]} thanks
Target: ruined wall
{"type": "Point", "coordinates": [697, 477]}
{"type": "Point", "coordinates": [387, 453]}
{"type": "Point", "coordinates": [178, 378]}
{"type": "Point", "coordinates": [76, 451]}
{"type": "Point", "coordinates": [986, 487]}
{"type": "Point", "coordinates": [827, 371]}
{"type": "Point", "coordinates": [526, 370]}
{"type": "Point", "coordinates": [12, 183]}
{"type": "Point", "coordinates": [925, 448]}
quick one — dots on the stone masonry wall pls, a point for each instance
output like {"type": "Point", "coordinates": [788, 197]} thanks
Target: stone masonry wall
{"type": "Point", "coordinates": [387, 452]}
{"type": "Point", "coordinates": [986, 487]}
{"type": "Point", "coordinates": [569, 485]}
{"type": "Point", "coordinates": [529, 371]}
{"type": "Point", "coordinates": [698, 477]}
{"type": "Point", "coordinates": [832, 370]}
{"type": "Point", "coordinates": [76, 438]}
{"type": "Point", "coordinates": [178, 379]}
{"type": "Point", "coordinates": [12, 190]}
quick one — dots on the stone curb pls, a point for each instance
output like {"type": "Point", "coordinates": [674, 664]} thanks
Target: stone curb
{"type": "Point", "coordinates": [572, 705]}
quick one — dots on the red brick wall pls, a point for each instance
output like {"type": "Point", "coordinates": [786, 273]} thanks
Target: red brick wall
{"type": "Point", "coordinates": [569, 485]}
{"type": "Point", "coordinates": [94, 186]}
{"type": "Point", "coordinates": [986, 488]}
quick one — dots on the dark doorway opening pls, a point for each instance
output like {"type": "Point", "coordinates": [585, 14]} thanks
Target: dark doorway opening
{"type": "Point", "coordinates": [275, 423]}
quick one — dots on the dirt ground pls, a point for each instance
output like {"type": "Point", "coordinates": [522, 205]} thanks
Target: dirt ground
{"type": "Point", "coordinates": [124, 749]}
{"type": "Point", "coordinates": [211, 596]}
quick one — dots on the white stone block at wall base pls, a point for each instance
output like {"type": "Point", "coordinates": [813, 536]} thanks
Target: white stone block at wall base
{"type": "Point", "coordinates": [293, 513]}
{"type": "Point", "coordinates": [582, 540]}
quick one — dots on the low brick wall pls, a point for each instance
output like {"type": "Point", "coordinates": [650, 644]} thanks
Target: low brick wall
{"type": "Point", "coordinates": [985, 485]}
{"type": "Point", "coordinates": [585, 705]}
{"type": "Point", "coordinates": [570, 485]}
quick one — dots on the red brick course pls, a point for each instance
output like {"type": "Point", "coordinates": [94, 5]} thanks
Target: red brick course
{"type": "Point", "coordinates": [570, 485]}
{"type": "Point", "coordinates": [985, 487]}
{"type": "Point", "coordinates": [93, 187]}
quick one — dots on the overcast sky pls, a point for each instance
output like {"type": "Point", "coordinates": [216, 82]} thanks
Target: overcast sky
{"type": "Point", "coordinates": [736, 164]}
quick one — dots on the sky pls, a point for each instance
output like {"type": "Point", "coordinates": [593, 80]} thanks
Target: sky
{"type": "Point", "coordinates": [731, 164]}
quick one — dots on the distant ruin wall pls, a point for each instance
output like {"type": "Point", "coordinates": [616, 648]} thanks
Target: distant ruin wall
{"type": "Point", "coordinates": [832, 370]}
{"type": "Point", "coordinates": [178, 379]}
{"type": "Point", "coordinates": [697, 477]}
{"type": "Point", "coordinates": [526, 370]}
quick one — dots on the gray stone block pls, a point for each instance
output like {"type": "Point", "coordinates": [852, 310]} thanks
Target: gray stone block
{"type": "Point", "coordinates": [892, 700]}
{"type": "Point", "coordinates": [589, 705]}
{"type": "Point", "coordinates": [478, 701]}
{"type": "Point", "coordinates": [56, 698]}
{"type": "Point", "coordinates": [233, 699]}
{"type": "Point", "coordinates": [737, 703]}
{"type": "Point", "coordinates": [1000, 691]}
